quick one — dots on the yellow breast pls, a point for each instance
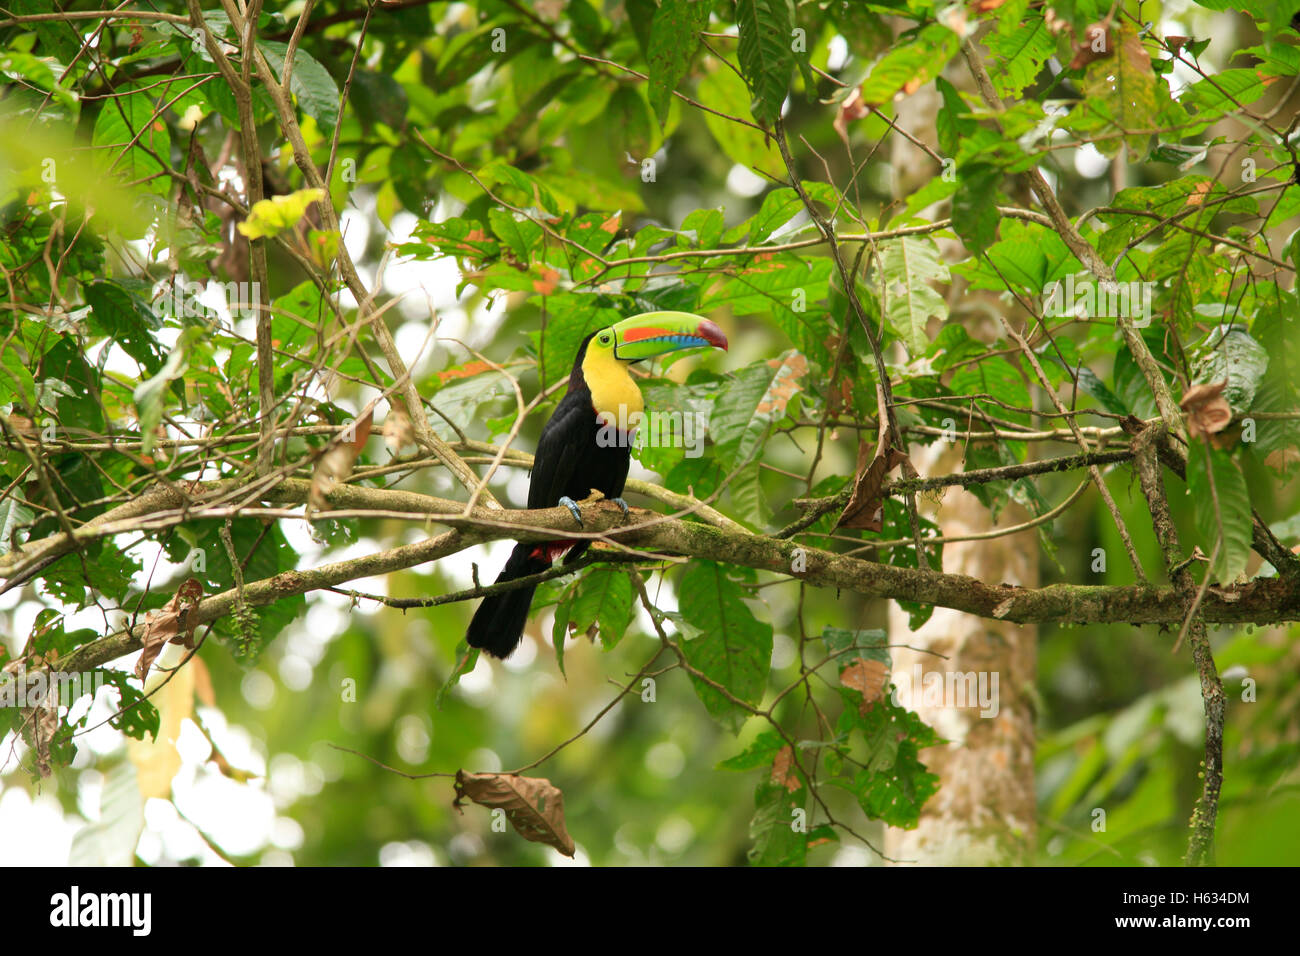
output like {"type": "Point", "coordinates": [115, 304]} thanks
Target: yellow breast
{"type": "Point", "coordinates": [614, 393]}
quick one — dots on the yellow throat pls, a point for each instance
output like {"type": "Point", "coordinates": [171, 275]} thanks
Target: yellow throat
{"type": "Point", "coordinates": [614, 394]}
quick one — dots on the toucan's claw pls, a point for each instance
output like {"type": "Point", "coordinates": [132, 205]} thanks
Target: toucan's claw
{"type": "Point", "coordinates": [622, 504]}
{"type": "Point", "coordinates": [573, 508]}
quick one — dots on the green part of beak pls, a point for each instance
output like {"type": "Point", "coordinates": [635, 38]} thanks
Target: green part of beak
{"type": "Point", "coordinates": [658, 333]}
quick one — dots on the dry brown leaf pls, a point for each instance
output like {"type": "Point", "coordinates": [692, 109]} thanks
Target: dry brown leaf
{"type": "Point", "coordinates": [1086, 51]}
{"type": "Point", "coordinates": [1207, 410]}
{"type": "Point", "coordinates": [23, 426]}
{"type": "Point", "coordinates": [174, 623]}
{"type": "Point", "coordinates": [39, 725]}
{"type": "Point", "coordinates": [851, 109]}
{"type": "Point", "coordinates": [866, 505]}
{"type": "Point", "coordinates": [398, 430]}
{"type": "Point", "coordinates": [783, 770]}
{"type": "Point", "coordinates": [785, 385]}
{"type": "Point", "coordinates": [533, 805]}
{"type": "Point", "coordinates": [867, 678]}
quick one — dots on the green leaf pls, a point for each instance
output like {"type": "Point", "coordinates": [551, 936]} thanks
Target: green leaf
{"type": "Point", "coordinates": [776, 840]}
{"type": "Point", "coordinates": [520, 234]}
{"type": "Point", "coordinates": [766, 54]}
{"type": "Point", "coordinates": [674, 38]}
{"type": "Point", "coordinates": [731, 647]}
{"type": "Point", "coordinates": [1234, 357]}
{"type": "Point", "coordinates": [909, 66]}
{"type": "Point", "coordinates": [907, 267]}
{"type": "Point", "coordinates": [723, 91]}
{"type": "Point", "coordinates": [1018, 57]}
{"type": "Point", "coordinates": [872, 644]}
{"type": "Point", "coordinates": [13, 516]}
{"type": "Point", "coordinates": [894, 784]}
{"type": "Point", "coordinates": [756, 397]}
{"type": "Point", "coordinates": [127, 320]}
{"type": "Point", "coordinates": [130, 141]}
{"type": "Point", "coordinates": [1233, 513]}
{"type": "Point", "coordinates": [951, 123]}
{"type": "Point", "coordinates": [311, 83]}
{"type": "Point", "coordinates": [779, 207]}
{"type": "Point", "coordinates": [760, 753]}
{"type": "Point", "coordinates": [603, 598]}
{"type": "Point", "coordinates": [466, 661]}
{"type": "Point", "coordinates": [974, 207]}
{"type": "Point", "coordinates": [1122, 88]}
{"type": "Point", "coordinates": [136, 714]}
{"type": "Point", "coordinates": [560, 628]}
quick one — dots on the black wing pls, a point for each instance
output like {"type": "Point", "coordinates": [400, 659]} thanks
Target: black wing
{"type": "Point", "coordinates": [559, 449]}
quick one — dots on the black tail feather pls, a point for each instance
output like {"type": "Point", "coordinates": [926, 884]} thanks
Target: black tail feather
{"type": "Point", "coordinates": [498, 624]}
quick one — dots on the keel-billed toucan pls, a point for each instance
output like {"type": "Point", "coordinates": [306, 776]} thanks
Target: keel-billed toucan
{"type": "Point", "coordinates": [574, 457]}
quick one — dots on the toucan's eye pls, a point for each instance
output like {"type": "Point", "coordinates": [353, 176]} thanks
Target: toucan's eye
{"type": "Point", "coordinates": [604, 338]}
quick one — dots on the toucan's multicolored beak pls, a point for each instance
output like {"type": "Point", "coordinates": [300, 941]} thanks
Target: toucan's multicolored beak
{"type": "Point", "coordinates": [657, 333]}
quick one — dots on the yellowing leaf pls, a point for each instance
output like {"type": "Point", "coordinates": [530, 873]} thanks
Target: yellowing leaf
{"type": "Point", "coordinates": [270, 217]}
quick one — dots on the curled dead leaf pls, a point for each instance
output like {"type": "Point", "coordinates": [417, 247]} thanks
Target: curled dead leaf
{"type": "Point", "coordinates": [175, 623]}
{"type": "Point", "coordinates": [1207, 410]}
{"type": "Point", "coordinates": [866, 505]}
{"type": "Point", "coordinates": [533, 805]}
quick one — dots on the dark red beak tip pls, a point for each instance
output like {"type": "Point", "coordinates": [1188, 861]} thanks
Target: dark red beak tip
{"type": "Point", "coordinates": [710, 332]}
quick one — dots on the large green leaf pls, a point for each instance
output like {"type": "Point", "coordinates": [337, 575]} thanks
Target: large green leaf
{"type": "Point", "coordinates": [766, 54]}
{"type": "Point", "coordinates": [1234, 357]}
{"type": "Point", "coordinates": [1122, 88]}
{"type": "Point", "coordinates": [604, 598]}
{"type": "Point", "coordinates": [674, 38]}
{"type": "Point", "coordinates": [311, 83]}
{"type": "Point", "coordinates": [1232, 513]}
{"type": "Point", "coordinates": [132, 143]}
{"type": "Point", "coordinates": [1018, 57]}
{"type": "Point", "coordinates": [722, 90]}
{"type": "Point", "coordinates": [730, 646]}
{"type": "Point", "coordinates": [907, 267]}
{"type": "Point", "coordinates": [127, 320]}
{"type": "Point", "coordinates": [757, 397]}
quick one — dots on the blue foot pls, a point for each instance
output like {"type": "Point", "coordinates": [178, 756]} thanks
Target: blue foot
{"type": "Point", "coordinates": [573, 507]}
{"type": "Point", "coordinates": [622, 504]}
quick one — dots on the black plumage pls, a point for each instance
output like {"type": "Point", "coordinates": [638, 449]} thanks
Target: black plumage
{"type": "Point", "coordinates": [570, 462]}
